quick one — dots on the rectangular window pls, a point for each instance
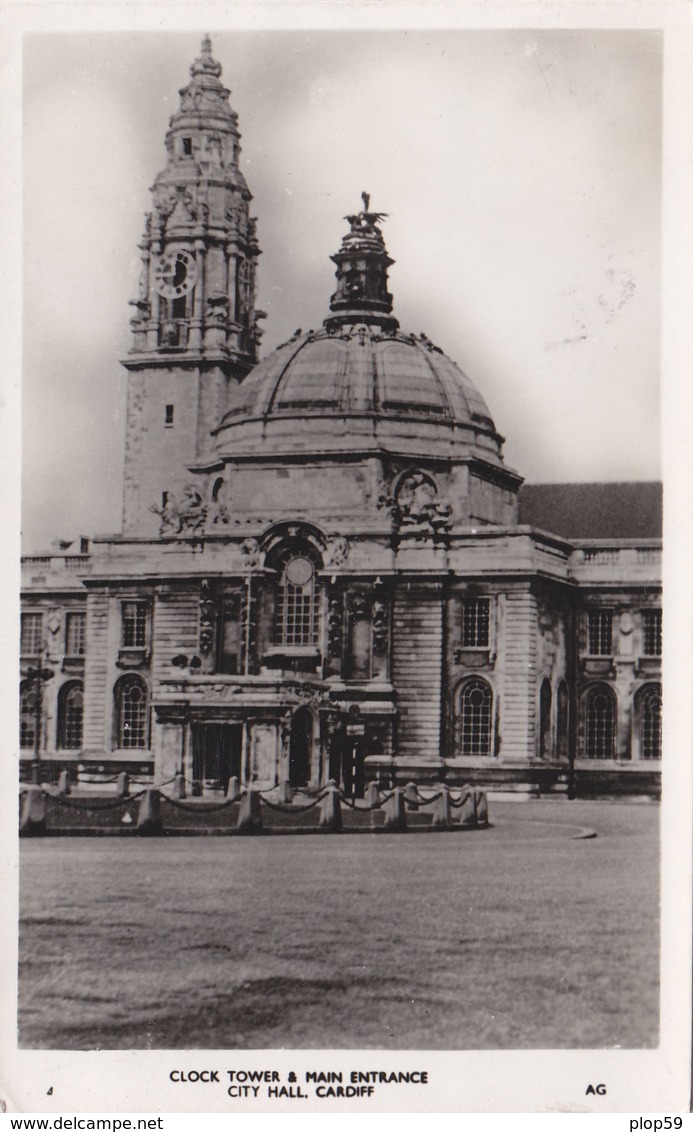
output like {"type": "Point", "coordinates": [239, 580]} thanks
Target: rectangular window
{"type": "Point", "coordinates": [75, 634]}
{"type": "Point", "coordinates": [599, 626]}
{"type": "Point", "coordinates": [187, 147]}
{"type": "Point", "coordinates": [652, 632]}
{"type": "Point", "coordinates": [168, 415]}
{"type": "Point", "coordinates": [32, 634]}
{"type": "Point", "coordinates": [134, 624]}
{"type": "Point", "coordinates": [475, 623]}
{"type": "Point", "coordinates": [296, 615]}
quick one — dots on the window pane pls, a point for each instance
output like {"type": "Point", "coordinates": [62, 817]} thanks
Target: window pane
{"type": "Point", "coordinates": [134, 624]}
{"type": "Point", "coordinates": [475, 623]}
{"type": "Point", "coordinates": [71, 717]}
{"type": "Point", "coordinates": [132, 731]}
{"type": "Point", "coordinates": [651, 723]}
{"type": "Point", "coordinates": [652, 632]}
{"type": "Point", "coordinates": [475, 718]}
{"type": "Point", "coordinates": [27, 717]}
{"type": "Point", "coordinates": [75, 633]}
{"type": "Point", "coordinates": [296, 611]}
{"type": "Point", "coordinates": [600, 723]}
{"type": "Point", "coordinates": [32, 634]}
{"type": "Point", "coordinates": [599, 624]}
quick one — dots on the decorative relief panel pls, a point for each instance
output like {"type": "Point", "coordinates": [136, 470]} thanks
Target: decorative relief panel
{"type": "Point", "coordinates": [190, 515]}
{"type": "Point", "coordinates": [207, 616]}
{"type": "Point", "coordinates": [415, 506]}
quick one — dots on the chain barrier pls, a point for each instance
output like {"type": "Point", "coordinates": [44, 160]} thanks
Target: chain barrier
{"type": "Point", "coordinates": [385, 798]}
{"type": "Point", "coordinates": [201, 808]}
{"type": "Point", "coordinates": [150, 782]}
{"type": "Point", "coordinates": [351, 803]}
{"type": "Point", "coordinates": [289, 808]}
{"type": "Point", "coordinates": [423, 800]}
{"type": "Point", "coordinates": [461, 801]}
{"type": "Point", "coordinates": [85, 807]}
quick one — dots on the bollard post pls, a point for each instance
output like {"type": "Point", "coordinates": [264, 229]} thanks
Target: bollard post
{"type": "Point", "coordinates": [64, 782]}
{"type": "Point", "coordinates": [32, 817]}
{"type": "Point", "coordinates": [481, 807]}
{"type": "Point", "coordinates": [177, 785]}
{"type": "Point", "coordinates": [249, 815]}
{"type": "Point", "coordinates": [468, 807]}
{"type": "Point", "coordinates": [123, 785]}
{"type": "Point", "coordinates": [285, 792]}
{"type": "Point", "coordinates": [149, 823]}
{"type": "Point", "coordinates": [441, 809]}
{"type": "Point", "coordinates": [395, 812]}
{"type": "Point", "coordinates": [410, 796]}
{"type": "Point", "coordinates": [373, 799]}
{"type": "Point", "coordinates": [331, 810]}
{"type": "Point", "coordinates": [233, 791]}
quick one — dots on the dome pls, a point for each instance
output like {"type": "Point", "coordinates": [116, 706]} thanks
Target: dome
{"type": "Point", "coordinates": [379, 385]}
{"type": "Point", "coordinates": [359, 382]}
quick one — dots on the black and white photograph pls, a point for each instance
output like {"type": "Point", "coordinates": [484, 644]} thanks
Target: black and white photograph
{"type": "Point", "coordinates": [347, 707]}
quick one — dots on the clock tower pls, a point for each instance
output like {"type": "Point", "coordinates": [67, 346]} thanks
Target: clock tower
{"type": "Point", "coordinates": [195, 326]}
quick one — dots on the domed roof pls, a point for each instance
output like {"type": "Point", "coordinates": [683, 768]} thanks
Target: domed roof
{"type": "Point", "coordinates": [359, 383]}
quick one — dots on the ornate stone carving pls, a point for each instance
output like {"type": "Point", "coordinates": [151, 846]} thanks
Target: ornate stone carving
{"type": "Point", "coordinates": [359, 605]}
{"type": "Point", "coordinates": [379, 621]}
{"type": "Point", "coordinates": [337, 551]}
{"type": "Point", "coordinates": [207, 616]}
{"type": "Point", "coordinates": [250, 549]}
{"type": "Point", "coordinates": [185, 516]}
{"type": "Point", "coordinates": [416, 504]}
{"type": "Point", "coordinates": [218, 308]}
{"type": "Point", "coordinates": [218, 514]}
{"type": "Point", "coordinates": [190, 515]}
{"type": "Point", "coordinates": [335, 623]}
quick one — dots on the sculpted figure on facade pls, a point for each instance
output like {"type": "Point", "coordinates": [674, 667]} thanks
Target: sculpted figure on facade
{"type": "Point", "coordinates": [252, 555]}
{"type": "Point", "coordinates": [186, 516]}
{"type": "Point", "coordinates": [417, 503]}
{"type": "Point", "coordinates": [337, 551]}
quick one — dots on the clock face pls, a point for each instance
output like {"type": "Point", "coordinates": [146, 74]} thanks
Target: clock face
{"type": "Point", "coordinates": [175, 274]}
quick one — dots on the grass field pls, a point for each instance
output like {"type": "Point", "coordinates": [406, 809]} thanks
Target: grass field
{"type": "Point", "coordinates": [519, 936]}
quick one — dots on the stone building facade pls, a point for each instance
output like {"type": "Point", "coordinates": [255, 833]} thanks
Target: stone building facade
{"type": "Point", "coordinates": [326, 569]}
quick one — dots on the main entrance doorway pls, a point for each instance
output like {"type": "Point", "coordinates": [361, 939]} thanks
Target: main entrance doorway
{"type": "Point", "coordinates": [216, 754]}
{"type": "Point", "coordinates": [346, 763]}
{"type": "Point", "coordinates": [300, 743]}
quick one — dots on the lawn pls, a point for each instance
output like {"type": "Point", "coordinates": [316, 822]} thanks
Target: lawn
{"type": "Point", "coordinates": [517, 937]}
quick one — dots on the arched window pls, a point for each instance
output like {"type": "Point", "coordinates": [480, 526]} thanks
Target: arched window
{"type": "Point", "coordinates": [131, 713]}
{"type": "Point", "coordinates": [562, 718]}
{"type": "Point", "coordinates": [545, 720]}
{"type": "Point", "coordinates": [70, 716]}
{"type": "Point", "coordinates": [474, 715]}
{"type": "Point", "coordinates": [296, 619]}
{"type": "Point", "coordinates": [649, 714]}
{"type": "Point", "coordinates": [27, 716]}
{"type": "Point", "coordinates": [600, 722]}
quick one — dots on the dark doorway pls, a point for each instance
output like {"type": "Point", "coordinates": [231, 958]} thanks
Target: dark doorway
{"type": "Point", "coordinates": [545, 720]}
{"type": "Point", "coordinates": [353, 772]}
{"type": "Point", "coordinates": [299, 747]}
{"type": "Point", "coordinates": [216, 754]}
{"type": "Point", "coordinates": [346, 765]}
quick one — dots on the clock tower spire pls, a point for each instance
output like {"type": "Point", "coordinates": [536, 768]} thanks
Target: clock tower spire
{"type": "Point", "coordinates": [195, 326]}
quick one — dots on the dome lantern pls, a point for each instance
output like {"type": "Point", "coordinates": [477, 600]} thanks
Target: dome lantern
{"type": "Point", "coordinates": [362, 262]}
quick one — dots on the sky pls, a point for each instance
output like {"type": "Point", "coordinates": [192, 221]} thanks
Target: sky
{"type": "Point", "coordinates": [520, 170]}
